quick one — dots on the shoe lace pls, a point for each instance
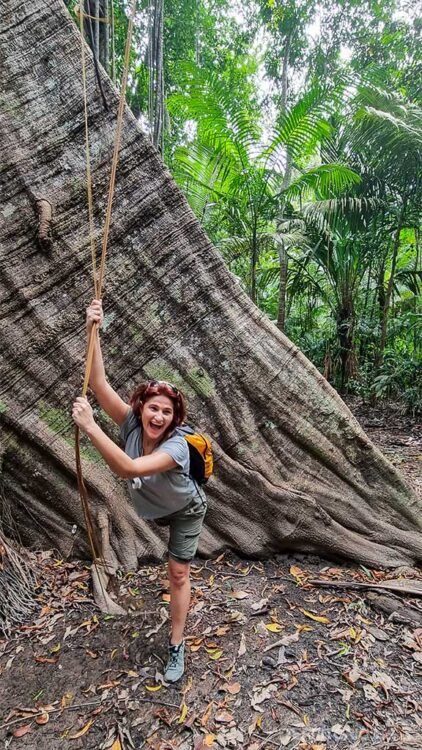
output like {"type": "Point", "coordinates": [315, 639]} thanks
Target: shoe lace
{"type": "Point", "coordinates": [174, 655]}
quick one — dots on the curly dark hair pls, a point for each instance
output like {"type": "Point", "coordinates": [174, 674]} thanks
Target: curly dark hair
{"type": "Point", "coordinates": [145, 391]}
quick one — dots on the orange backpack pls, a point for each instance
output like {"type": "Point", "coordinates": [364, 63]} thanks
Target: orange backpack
{"type": "Point", "coordinates": [200, 453]}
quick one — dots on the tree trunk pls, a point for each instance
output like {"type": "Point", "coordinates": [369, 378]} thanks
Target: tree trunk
{"type": "Point", "coordinates": [418, 271]}
{"type": "Point", "coordinates": [105, 37]}
{"type": "Point", "coordinates": [156, 73]}
{"type": "Point", "coordinates": [282, 254]}
{"type": "Point", "coordinates": [390, 286]}
{"type": "Point", "coordinates": [345, 325]}
{"type": "Point", "coordinates": [294, 471]}
{"type": "Point", "coordinates": [282, 251]}
{"type": "Point", "coordinates": [97, 29]}
{"type": "Point", "coordinates": [254, 263]}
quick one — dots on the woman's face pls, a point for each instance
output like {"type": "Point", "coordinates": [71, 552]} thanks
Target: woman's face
{"type": "Point", "coordinates": [157, 415]}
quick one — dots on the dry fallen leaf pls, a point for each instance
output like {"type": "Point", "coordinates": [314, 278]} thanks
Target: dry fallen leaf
{"type": "Point", "coordinates": [228, 673]}
{"type": "Point", "coordinates": [22, 730]}
{"type": "Point", "coordinates": [239, 594]}
{"type": "Point", "coordinates": [215, 653]}
{"type": "Point", "coordinates": [285, 739]}
{"type": "Point", "coordinates": [255, 724]}
{"type": "Point", "coordinates": [274, 627]}
{"type": "Point", "coordinates": [206, 717]}
{"type": "Point", "coordinates": [382, 679]}
{"type": "Point", "coordinates": [242, 646]}
{"type": "Point", "coordinates": [43, 718]}
{"type": "Point", "coordinates": [223, 717]}
{"type": "Point", "coordinates": [222, 630]}
{"type": "Point", "coordinates": [66, 700]}
{"type": "Point", "coordinates": [261, 694]}
{"type": "Point", "coordinates": [26, 712]}
{"type": "Point", "coordinates": [233, 689]}
{"type": "Point", "coordinates": [317, 618]}
{"type": "Point", "coordinates": [46, 659]}
{"type": "Point", "coordinates": [353, 675]}
{"type": "Point", "coordinates": [297, 573]}
{"type": "Point", "coordinates": [110, 684]}
{"type": "Point", "coordinates": [183, 714]}
{"type": "Point", "coordinates": [82, 731]}
{"type": "Point", "coordinates": [338, 729]}
{"type": "Point", "coordinates": [304, 628]}
{"type": "Point", "coordinates": [153, 688]}
{"type": "Point", "coordinates": [260, 605]}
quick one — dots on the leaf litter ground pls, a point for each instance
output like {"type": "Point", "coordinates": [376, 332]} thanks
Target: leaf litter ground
{"type": "Point", "coordinates": [273, 661]}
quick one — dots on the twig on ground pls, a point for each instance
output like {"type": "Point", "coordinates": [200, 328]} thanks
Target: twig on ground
{"type": "Point", "coordinates": [413, 587]}
{"type": "Point", "coordinates": [75, 706]}
{"type": "Point", "coordinates": [268, 738]}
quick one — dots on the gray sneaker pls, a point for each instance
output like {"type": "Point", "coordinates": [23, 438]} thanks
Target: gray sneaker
{"type": "Point", "coordinates": [176, 663]}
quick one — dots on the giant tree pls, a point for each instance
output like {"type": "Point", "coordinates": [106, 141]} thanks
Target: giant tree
{"type": "Point", "coordinates": [294, 469]}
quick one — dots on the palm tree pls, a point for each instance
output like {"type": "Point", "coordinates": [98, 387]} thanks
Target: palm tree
{"type": "Point", "coordinates": [387, 132]}
{"type": "Point", "coordinates": [357, 234]}
{"type": "Point", "coordinates": [227, 170]}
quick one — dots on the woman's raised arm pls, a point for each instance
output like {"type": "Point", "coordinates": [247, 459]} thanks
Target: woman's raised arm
{"type": "Point", "coordinates": [108, 399]}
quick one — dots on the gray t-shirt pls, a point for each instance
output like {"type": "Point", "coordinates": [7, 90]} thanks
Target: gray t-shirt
{"type": "Point", "coordinates": [161, 494]}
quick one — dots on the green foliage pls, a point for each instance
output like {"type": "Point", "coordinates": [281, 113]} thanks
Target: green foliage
{"type": "Point", "coordinates": [398, 379]}
{"type": "Point", "coordinates": [295, 131]}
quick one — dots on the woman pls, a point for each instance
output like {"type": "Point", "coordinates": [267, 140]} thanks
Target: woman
{"type": "Point", "coordinates": [155, 462]}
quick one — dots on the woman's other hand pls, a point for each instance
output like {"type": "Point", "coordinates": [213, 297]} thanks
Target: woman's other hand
{"type": "Point", "coordinates": [94, 314]}
{"type": "Point", "coordinates": [82, 414]}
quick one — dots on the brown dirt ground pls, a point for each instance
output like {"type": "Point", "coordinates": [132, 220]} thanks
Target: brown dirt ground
{"type": "Point", "coordinates": [273, 661]}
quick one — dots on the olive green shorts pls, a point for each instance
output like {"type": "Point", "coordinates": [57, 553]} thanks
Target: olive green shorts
{"type": "Point", "coordinates": [185, 527]}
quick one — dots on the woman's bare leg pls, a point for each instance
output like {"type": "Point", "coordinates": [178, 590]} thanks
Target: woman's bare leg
{"type": "Point", "coordinates": [179, 598]}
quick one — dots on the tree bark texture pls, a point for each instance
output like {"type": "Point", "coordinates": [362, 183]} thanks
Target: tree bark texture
{"type": "Point", "coordinates": [294, 470]}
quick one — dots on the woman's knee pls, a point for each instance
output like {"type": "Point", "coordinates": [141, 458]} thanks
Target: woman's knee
{"type": "Point", "coordinates": [178, 573]}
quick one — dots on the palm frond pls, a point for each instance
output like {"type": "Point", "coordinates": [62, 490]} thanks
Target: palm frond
{"type": "Point", "coordinates": [305, 125]}
{"type": "Point", "coordinates": [324, 181]}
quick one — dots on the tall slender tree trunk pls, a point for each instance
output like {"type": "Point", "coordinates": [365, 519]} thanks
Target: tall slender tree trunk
{"type": "Point", "coordinates": [282, 254]}
{"type": "Point", "coordinates": [345, 333]}
{"type": "Point", "coordinates": [390, 286]}
{"type": "Point", "coordinates": [282, 250]}
{"type": "Point", "coordinates": [156, 73]}
{"type": "Point", "coordinates": [294, 470]}
{"type": "Point", "coordinates": [254, 263]}
{"type": "Point", "coordinates": [97, 29]}
{"type": "Point", "coordinates": [416, 335]}
{"type": "Point", "coordinates": [364, 336]}
{"type": "Point", "coordinates": [104, 50]}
